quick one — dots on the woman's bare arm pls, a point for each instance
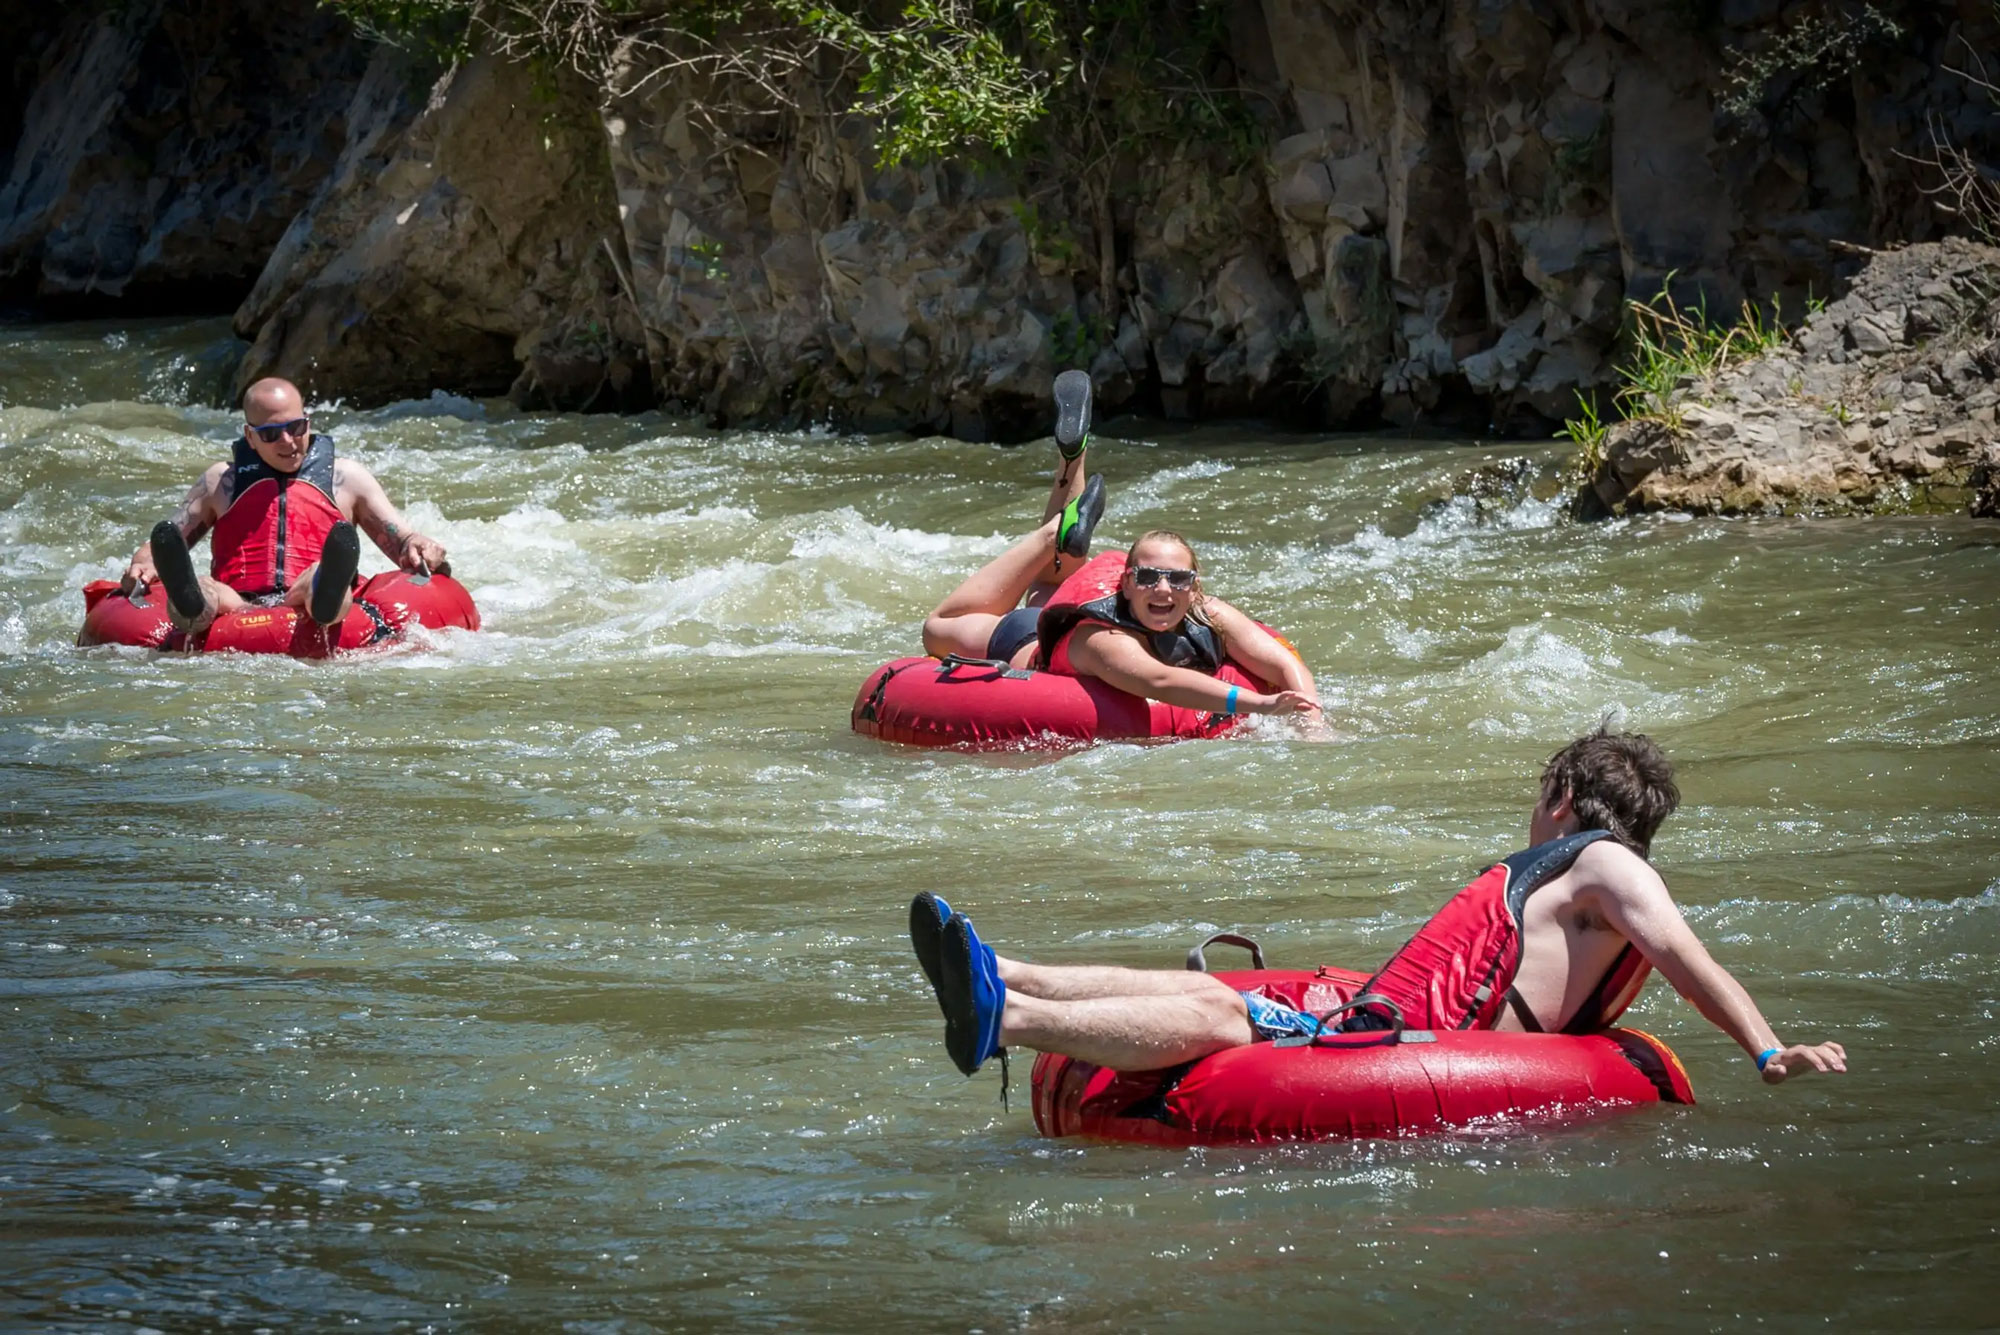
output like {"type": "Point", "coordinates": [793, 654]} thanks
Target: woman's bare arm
{"type": "Point", "coordinates": [1258, 650]}
{"type": "Point", "coordinates": [1116, 656]}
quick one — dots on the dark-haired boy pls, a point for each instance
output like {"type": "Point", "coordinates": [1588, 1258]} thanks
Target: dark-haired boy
{"type": "Point", "coordinates": [1556, 938]}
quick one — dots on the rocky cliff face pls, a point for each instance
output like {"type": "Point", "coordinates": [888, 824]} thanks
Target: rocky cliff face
{"type": "Point", "coordinates": [1521, 169]}
{"type": "Point", "coordinates": [1451, 201]}
{"type": "Point", "coordinates": [159, 148]}
{"type": "Point", "coordinates": [466, 241]}
{"type": "Point", "coordinates": [793, 279]}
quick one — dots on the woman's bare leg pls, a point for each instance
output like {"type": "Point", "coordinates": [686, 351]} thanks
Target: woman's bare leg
{"type": "Point", "coordinates": [964, 621]}
{"type": "Point", "coordinates": [1031, 569]}
{"type": "Point", "coordinates": [1068, 485]}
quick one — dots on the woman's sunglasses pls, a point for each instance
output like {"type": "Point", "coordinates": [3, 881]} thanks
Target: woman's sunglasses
{"type": "Point", "coordinates": [270, 432]}
{"type": "Point", "coordinates": [1147, 576]}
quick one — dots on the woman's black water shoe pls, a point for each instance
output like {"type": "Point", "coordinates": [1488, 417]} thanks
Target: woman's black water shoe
{"type": "Point", "coordinates": [1079, 518]}
{"type": "Point", "coordinates": [1072, 413]}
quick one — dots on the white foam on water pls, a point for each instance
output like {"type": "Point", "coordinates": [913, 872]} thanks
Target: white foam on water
{"type": "Point", "coordinates": [439, 404]}
{"type": "Point", "coordinates": [1533, 675]}
{"type": "Point", "coordinates": [1155, 491]}
{"type": "Point", "coordinates": [844, 534]}
{"type": "Point", "coordinates": [495, 601]}
{"type": "Point", "coordinates": [1409, 641]}
{"type": "Point", "coordinates": [19, 422]}
{"type": "Point", "coordinates": [1989, 898]}
{"type": "Point", "coordinates": [531, 520]}
{"type": "Point", "coordinates": [778, 648]}
{"type": "Point", "coordinates": [692, 597]}
{"type": "Point", "coordinates": [709, 514]}
{"type": "Point", "coordinates": [1448, 543]}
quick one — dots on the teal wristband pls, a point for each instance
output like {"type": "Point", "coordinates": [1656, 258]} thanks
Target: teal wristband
{"type": "Point", "coordinates": [1765, 1056]}
{"type": "Point", "coordinates": [1229, 705]}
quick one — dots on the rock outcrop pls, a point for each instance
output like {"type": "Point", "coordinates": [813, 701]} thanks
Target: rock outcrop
{"type": "Point", "coordinates": [468, 242]}
{"type": "Point", "coordinates": [161, 147]}
{"type": "Point", "coordinates": [1885, 397]}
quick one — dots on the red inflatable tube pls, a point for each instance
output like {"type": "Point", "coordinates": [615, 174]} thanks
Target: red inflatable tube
{"type": "Point", "coordinates": [1353, 1085]}
{"type": "Point", "coordinates": [383, 608]}
{"type": "Point", "coordinates": [938, 702]}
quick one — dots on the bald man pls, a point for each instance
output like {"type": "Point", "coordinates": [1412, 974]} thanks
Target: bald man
{"type": "Point", "coordinates": [284, 512]}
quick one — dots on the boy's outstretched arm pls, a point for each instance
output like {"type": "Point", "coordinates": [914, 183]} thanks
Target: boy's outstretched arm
{"type": "Point", "coordinates": [1636, 903]}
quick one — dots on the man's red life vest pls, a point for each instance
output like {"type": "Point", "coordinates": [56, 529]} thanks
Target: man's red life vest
{"type": "Point", "coordinates": [276, 523]}
{"type": "Point", "coordinates": [1091, 597]}
{"type": "Point", "coordinates": [1458, 971]}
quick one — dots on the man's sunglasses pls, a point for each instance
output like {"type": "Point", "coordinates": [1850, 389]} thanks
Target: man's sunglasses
{"type": "Point", "coordinates": [1147, 576]}
{"type": "Point", "coordinates": [270, 432]}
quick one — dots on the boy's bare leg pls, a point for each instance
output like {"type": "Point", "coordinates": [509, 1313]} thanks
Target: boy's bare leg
{"type": "Point", "coordinates": [1130, 1033]}
{"type": "Point", "coordinates": [1081, 982]}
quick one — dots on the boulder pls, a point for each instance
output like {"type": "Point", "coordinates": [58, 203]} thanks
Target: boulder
{"type": "Point", "coordinates": [1984, 482]}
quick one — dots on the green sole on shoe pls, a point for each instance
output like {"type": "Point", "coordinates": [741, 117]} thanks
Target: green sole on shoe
{"type": "Point", "coordinates": [1079, 518]}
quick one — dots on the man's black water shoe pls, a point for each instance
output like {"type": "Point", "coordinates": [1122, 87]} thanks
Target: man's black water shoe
{"type": "Point", "coordinates": [176, 567]}
{"type": "Point", "coordinates": [337, 563]}
{"type": "Point", "coordinates": [928, 915]}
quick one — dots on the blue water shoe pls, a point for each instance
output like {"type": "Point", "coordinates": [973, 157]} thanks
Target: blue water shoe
{"type": "Point", "coordinates": [928, 915]}
{"type": "Point", "coordinates": [973, 996]}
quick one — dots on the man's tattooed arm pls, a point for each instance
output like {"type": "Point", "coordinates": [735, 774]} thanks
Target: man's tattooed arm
{"type": "Point", "coordinates": [384, 533]}
{"type": "Point", "coordinates": [373, 514]}
{"type": "Point", "coordinates": [192, 520]}
{"type": "Point", "coordinates": [194, 517]}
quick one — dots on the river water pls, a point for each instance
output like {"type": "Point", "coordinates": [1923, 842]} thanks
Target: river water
{"type": "Point", "coordinates": [556, 975]}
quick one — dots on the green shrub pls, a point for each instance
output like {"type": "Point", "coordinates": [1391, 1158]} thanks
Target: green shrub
{"type": "Point", "coordinates": [942, 78]}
